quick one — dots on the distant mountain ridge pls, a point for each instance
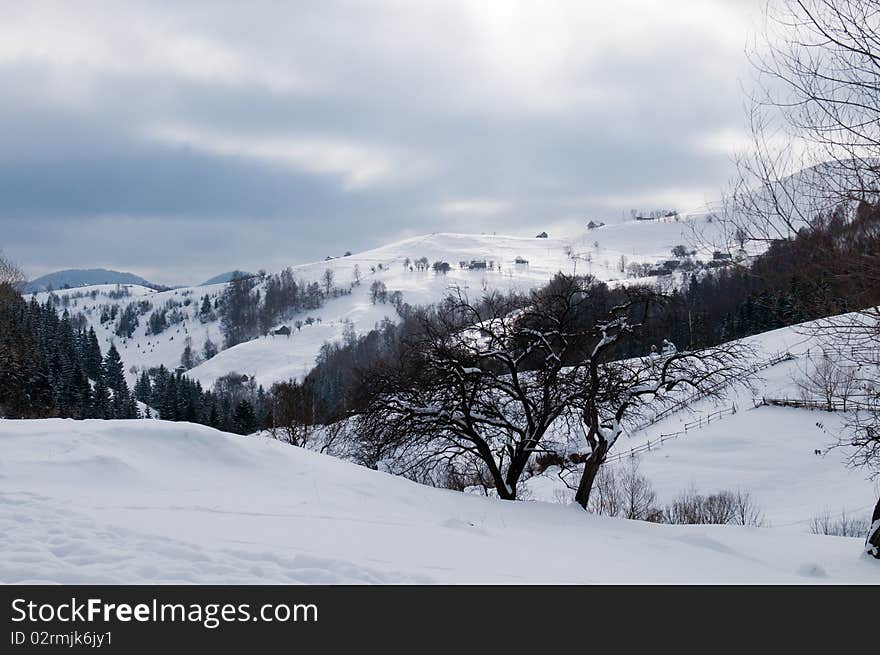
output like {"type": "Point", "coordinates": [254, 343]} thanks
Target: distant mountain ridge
{"type": "Point", "coordinates": [82, 277]}
{"type": "Point", "coordinates": [225, 277]}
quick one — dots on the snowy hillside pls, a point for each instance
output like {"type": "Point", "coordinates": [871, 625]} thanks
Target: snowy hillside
{"type": "Point", "coordinates": [735, 443]}
{"type": "Point", "coordinates": [149, 501]}
{"type": "Point", "coordinates": [81, 278]}
{"type": "Point", "coordinates": [272, 358]}
{"type": "Point", "coordinates": [142, 350]}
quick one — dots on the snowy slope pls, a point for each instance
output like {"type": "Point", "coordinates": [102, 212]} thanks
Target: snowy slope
{"type": "Point", "coordinates": [270, 359]}
{"type": "Point", "coordinates": [81, 278]}
{"type": "Point", "coordinates": [143, 351]}
{"type": "Point", "coordinates": [149, 501]}
{"type": "Point", "coordinates": [766, 451]}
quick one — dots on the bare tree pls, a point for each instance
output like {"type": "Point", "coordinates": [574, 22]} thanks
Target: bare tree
{"type": "Point", "coordinates": [487, 386]}
{"type": "Point", "coordinates": [814, 109]}
{"type": "Point", "coordinates": [724, 507]}
{"type": "Point", "coordinates": [829, 380]}
{"type": "Point", "coordinates": [292, 413]}
{"type": "Point", "coordinates": [480, 384]}
{"type": "Point", "coordinates": [840, 525]}
{"type": "Point", "coordinates": [327, 280]}
{"type": "Point", "coordinates": [816, 112]}
{"type": "Point", "coordinates": [10, 273]}
{"type": "Point", "coordinates": [861, 437]}
{"type": "Point", "coordinates": [623, 491]}
{"type": "Point", "coordinates": [606, 499]}
{"type": "Point", "coordinates": [619, 390]}
{"type": "Point", "coordinates": [746, 510]}
{"type": "Point", "coordinates": [378, 292]}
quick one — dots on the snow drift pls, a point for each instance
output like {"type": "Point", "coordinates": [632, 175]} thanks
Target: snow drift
{"type": "Point", "coordinates": [156, 502]}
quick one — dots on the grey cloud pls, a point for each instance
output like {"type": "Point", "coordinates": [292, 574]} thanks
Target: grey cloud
{"type": "Point", "coordinates": [256, 133]}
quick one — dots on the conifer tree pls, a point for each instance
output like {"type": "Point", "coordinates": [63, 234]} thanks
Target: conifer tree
{"type": "Point", "coordinates": [143, 389]}
{"type": "Point", "coordinates": [244, 420]}
{"type": "Point", "coordinates": [101, 402]}
{"type": "Point", "coordinates": [92, 357]}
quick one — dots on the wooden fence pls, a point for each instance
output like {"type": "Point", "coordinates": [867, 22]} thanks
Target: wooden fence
{"type": "Point", "coordinates": [656, 443]}
{"type": "Point", "coordinates": [822, 405]}
{"type": "Point", "coordinates": [856, 354]}
{"type": "Point", "coordinates": [679, 405]}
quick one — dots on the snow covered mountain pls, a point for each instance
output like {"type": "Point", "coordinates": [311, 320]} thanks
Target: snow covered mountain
{"type": "Point", "coordinates": [476, 262]}
{"type": "Point", "coordinates": [77, 277]}
{"type": "Point", "coordinates": [147, 501]}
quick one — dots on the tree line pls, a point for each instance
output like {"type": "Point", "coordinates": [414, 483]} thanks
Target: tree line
{"type": "Point", "coordinates": [234, 403]}
{"type": "Point", "coordinates": [248, 308]}
{"type": "Point", "coordinates": [48, 368]}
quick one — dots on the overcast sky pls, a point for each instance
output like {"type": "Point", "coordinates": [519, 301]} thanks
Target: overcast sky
{"type": "Point", "coordinates": [179, 140]}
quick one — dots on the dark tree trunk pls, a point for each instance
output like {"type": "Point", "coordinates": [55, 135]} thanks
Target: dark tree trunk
{"type": "Point", "coordinates": [519, 462]}
{"type": "Point", "coordinates": [591, 470]}
{"type": "Point", "coordinates": [505, 492]}
{"type": "Point", "coordinates": [873, 542]}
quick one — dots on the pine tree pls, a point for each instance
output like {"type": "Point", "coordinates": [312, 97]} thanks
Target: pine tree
{"type": "Point", "coordinates": [92, 357]}
{"type": "Point", "coordinates": [114, 378]}
{"type": "Point", "coordinates": [244, 420]}
{"type": "Point", "coordinates": [187, 358]}
{"type": "Point", "coordinates": [101, 403]}
{"type": "Point", "coordinates": [128, 321]}
{"type": "Point", "coordinates": [82, 392]}
{"type": "Point", "coordinates": [131, 408]}
{"type": "Point", "coordinates": [114, 373]}
{"type": "Point", "coordinates": [209, 349]}
{"type": "Point", "coordinates": [143, 389]}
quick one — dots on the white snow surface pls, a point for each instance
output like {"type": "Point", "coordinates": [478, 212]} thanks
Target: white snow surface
{"type": "Point", "coordinates": [157, 502]}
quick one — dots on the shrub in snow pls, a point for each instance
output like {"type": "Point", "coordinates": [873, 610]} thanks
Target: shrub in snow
{"type": "Point", "coordinates": [839, 525]}
{"type": "Point", "coordinates": [623, 491]}
{"type": "Point", "coordinates": [724, 507]}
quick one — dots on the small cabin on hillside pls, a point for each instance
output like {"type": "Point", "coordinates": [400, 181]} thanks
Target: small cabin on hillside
{"type": "Point", "coordinates": [521, 261]}
{"type": "Point", "coordinates": [721, 255]}
{"type": "Point", "coordinates": [283, 331]}
{"type": "Point", "coordinates": [542, 235]}
{"type": "Point", "coordinates": [477, 264]}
